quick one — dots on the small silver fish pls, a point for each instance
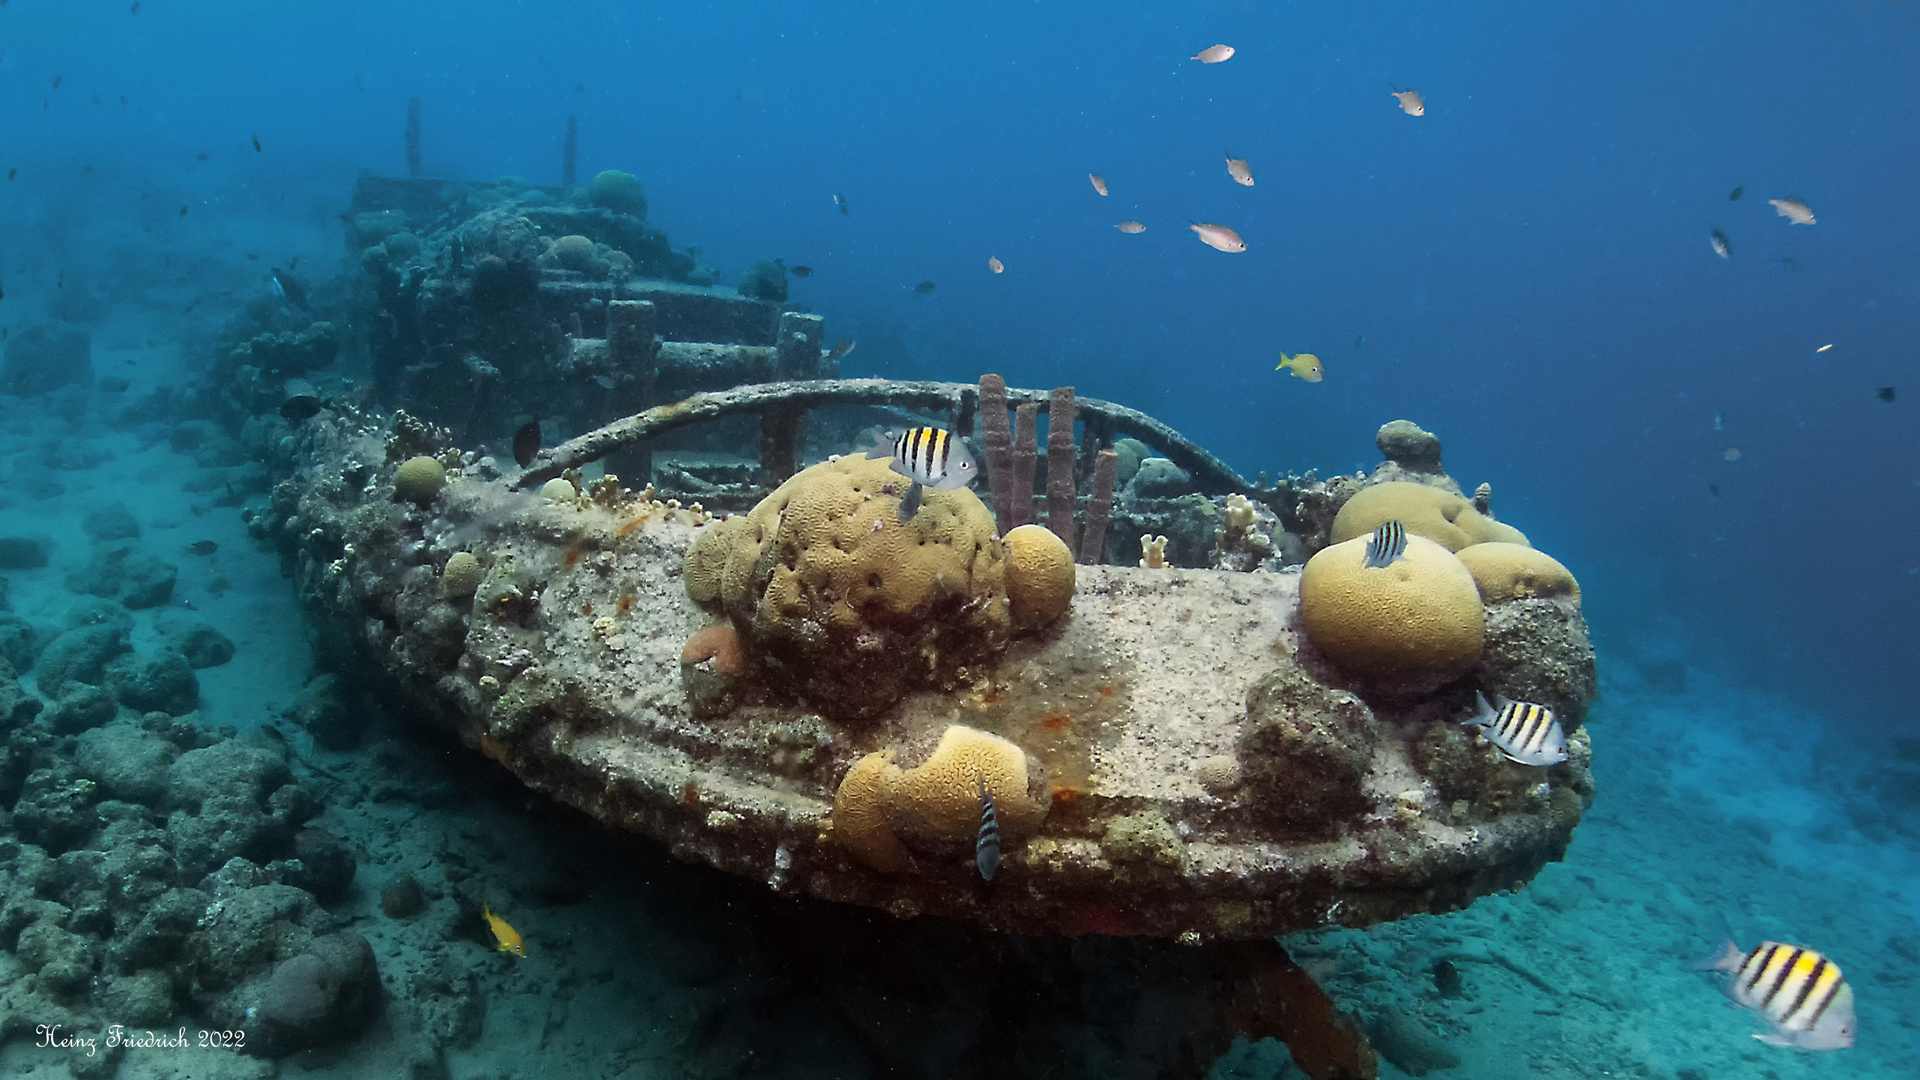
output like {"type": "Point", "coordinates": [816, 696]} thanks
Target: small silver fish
{"type": "Point", "coordinates": [1214, 54]}
{"type": "Point", "coordinates": [1411, 102]}
{"type": "Point", "coordinates": [1218, 237]}
{"type": "Point", "coordinates": [1800, 992]}
{"type": "Point", "coordinates": [1793, 210]}
{"type": "Point", "coordinates": [1720, 245]}
{"type": "Point", "coordinates": [1524, 732]}
{"type": "Point", "coordinates": [1241, 172]}
{"type": "Point", "coordinates": [986, 849]}
{"type": "Point", "coordinates": [928, 456]}
{"type": "Point", "coordinates": [1389, 543]}
{"type": "Point", "coordinates": [1099, 182]}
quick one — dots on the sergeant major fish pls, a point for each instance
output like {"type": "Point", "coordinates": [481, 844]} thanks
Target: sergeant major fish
{"type": "Point", "coordinates": [986, 849]}
{"type": "Point", "coordinates": [1388, 544]}
{"type": "Point", "coordinates": [1524, 732]}
{"type": "Point", "coordinates": [1800, 992]}
{"type": "Point", "coordinates": [929, 457]}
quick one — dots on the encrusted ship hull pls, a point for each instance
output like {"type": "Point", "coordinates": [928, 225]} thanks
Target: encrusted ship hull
{"type": "Point", "coordinates": [1204, 773]}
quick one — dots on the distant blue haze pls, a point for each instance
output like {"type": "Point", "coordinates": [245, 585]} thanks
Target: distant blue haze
{"type": "Point", "coordinates": [1528, 263]}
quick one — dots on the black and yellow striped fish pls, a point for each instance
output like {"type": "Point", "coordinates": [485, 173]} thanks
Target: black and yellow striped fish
{"type": "Point", "coordinates": [986, 849]}
{"type": "Point", "coordinates": [1524, 732]}
{"type": "Point", "coordinates": [1800, 992]}
{"type": "Point", "coordinates": [1389, 542]}
{"type": "Point", "coordinates": [927, 456]}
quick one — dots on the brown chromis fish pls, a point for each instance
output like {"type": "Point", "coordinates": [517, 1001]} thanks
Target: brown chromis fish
{"type": "Point", "coordinates": [526, 442]}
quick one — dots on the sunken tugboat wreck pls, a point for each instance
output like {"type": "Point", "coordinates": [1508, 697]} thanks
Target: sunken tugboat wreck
{"type": "Point", "coordinates": [1188, 706]}
{"type": "Point", "coordinates": [815, 694]}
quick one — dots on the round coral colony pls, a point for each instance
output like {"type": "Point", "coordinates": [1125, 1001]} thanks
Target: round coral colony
{"type": "Point", "coordinates": [1410, 627]}
{"type": "Point", "coordinates": [1040, 576]}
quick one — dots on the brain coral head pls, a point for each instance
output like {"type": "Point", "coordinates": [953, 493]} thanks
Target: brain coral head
{"type": "Point", "coordinates": [1409, 627]}
{"type": "Point", "coordinates": [706, 562]}
{"type": "Point", "coordinates": [572, 252]}
{"type": "Point", "coordinates": [1040, 576]}
{"type": "Point", "coordinates": [462, 575]}
{"type": "Point", "coordinates": [618, 191]}
{"type": "Point", "coordinates": [419, 479]}
{"type": "Point", "coordinates": [1516, 572]}
{"type": "Point", "coordinates": [938, 801]}
{"type": "Point", "coordinates": [860, 816]}
{"type": "Point", "coordinates": [851, 604]}
{"type": "Point", "coordinates": [1438, 515]}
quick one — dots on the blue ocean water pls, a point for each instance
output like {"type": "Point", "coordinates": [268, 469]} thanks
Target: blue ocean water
{"type": "Point", "coordinates": [1525, 269]}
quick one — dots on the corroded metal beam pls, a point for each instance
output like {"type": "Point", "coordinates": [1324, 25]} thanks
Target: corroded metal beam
{"type": "Point", "coordinates": [1210, 474]}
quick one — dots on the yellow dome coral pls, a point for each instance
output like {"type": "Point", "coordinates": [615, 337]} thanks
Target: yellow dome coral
{"type": "Point", "coordinates": [572, 252]}
{"type": "Point", "coordinates": [859, 816]}
{"type": "Point", "coordinates": [1438, 515]}
{"type": "Point", "coordinates": [1409, 627]}
{"type": "Point", "coordinates": [940, 799]}
{"type": "Point", "coordinates": [706, 561]}
{"type": "Point", "coordinates": [1040, 576]}
{"type": "Point", "coordinates": [462, 575]}
{"type": "Point", "coordinates": [419, 479]}
{"type": "Point", "coordinates": [1513, 572]}
{"type": "Point", "coordinates": [848, 604]}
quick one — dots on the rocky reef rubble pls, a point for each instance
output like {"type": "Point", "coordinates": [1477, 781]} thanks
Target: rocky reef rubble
{"type": "Point", "coordinates": [1177, 757]}
{"type": "Point", "coordinates": [156, 868]}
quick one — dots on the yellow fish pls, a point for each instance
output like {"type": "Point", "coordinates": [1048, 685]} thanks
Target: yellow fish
{"type": "Point", "coordinates": [508, 938]}
{"type": "Point", "coordinates": [1304, 366]}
